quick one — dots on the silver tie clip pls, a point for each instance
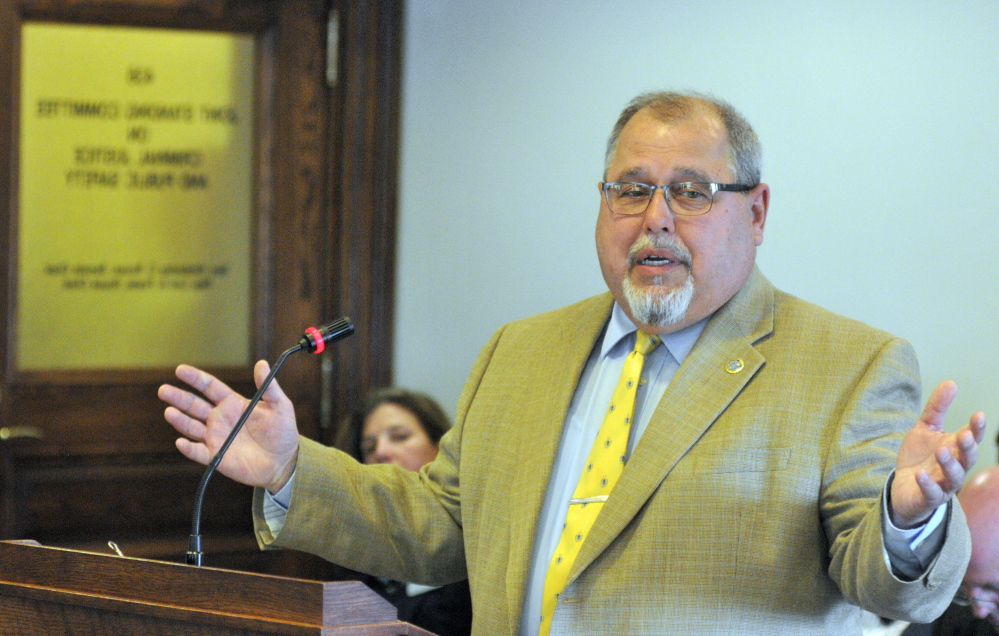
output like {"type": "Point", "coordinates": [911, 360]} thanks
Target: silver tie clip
{"type": "Point", "coordinates": [586, 500]}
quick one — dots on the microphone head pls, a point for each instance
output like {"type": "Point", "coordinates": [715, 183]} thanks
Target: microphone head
{"type": "Point", "coordinates": [315, 339]}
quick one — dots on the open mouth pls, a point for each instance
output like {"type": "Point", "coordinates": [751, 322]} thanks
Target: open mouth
{"type": "Point", "coordinates": [658, 251]}
{"type": "Point", "coordinates": [657, 260]}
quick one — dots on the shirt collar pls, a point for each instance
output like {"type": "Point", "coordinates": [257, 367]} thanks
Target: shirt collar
{"type": "Point", "coordinates": [679, 343]}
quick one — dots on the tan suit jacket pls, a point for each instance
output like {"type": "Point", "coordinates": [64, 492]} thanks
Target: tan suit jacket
{"type": "Point", "coordinates": [751, 505]}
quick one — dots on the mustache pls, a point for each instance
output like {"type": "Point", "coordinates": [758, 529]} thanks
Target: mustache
{"type": "Point", "coordinates": [658, 242]}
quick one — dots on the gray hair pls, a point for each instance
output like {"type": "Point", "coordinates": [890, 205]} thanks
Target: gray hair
{"type": "Point", "coordinates": [745, 153]}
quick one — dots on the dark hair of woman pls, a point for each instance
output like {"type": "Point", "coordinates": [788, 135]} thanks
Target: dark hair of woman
{"type": "Point", "coordinates": [432, 417]}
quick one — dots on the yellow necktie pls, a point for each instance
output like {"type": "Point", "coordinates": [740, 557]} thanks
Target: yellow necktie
{"type": "Point", "coordinates": [603, 467]}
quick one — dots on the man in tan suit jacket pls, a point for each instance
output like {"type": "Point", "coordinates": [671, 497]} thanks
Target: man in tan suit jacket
{"type": "Point", "coordinates": [782, 456]}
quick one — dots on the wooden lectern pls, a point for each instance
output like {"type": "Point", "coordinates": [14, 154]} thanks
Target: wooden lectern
{"type": "Point", "coordinates": [47, 591]}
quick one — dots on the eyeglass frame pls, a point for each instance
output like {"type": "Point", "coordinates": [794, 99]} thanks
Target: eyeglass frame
{"type": "Point", "coordinates": [966, 598]}
{"type": "Point", "coordinates": [714, 187]}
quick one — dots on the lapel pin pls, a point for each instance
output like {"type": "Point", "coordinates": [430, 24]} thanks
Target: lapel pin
{"type": "Point", "coordinates": [735, 366]}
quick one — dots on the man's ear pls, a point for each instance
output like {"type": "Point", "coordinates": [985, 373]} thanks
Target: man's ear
{"type": "Point", "coordinates": [759, 203]}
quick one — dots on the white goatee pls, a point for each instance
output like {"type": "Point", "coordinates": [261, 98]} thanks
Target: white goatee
{"type": "Point", "coordinates": [659, 307]}
{"type": "Point", "coordinates": [652, 304]}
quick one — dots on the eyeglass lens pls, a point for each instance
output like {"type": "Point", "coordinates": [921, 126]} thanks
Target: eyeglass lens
{"type": "Point", "coordinates": [683, 198]}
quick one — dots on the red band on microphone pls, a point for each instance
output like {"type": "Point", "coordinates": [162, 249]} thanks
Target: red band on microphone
{"type": "Point", "coordinates": [317, 337]}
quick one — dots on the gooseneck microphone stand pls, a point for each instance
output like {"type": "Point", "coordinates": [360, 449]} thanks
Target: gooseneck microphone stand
{"type": "Point", "coordinates": [314, 340]}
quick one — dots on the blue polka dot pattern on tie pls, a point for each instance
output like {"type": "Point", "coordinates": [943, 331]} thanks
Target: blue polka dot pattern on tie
{"type": "Point", "coordinates": [608, 455]}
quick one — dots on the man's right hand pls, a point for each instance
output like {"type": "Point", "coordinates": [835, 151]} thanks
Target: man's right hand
{"type": "Point", "coordinates": [264, 453]}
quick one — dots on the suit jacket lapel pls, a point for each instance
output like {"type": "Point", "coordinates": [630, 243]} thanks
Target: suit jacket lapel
{"type": "Point", "coordinates": [702, 389]}
{"type": "Point", "coordinates": [555, 375]}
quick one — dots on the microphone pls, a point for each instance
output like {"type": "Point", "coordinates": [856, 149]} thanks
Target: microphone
{"type": "Point", "coordinates": [314, 340]}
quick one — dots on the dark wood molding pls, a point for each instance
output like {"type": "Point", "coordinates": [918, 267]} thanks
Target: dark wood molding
{"type": "Point", "coordinates": [213, 15]}
{"type": "Point", "coordinates": [365, 132]}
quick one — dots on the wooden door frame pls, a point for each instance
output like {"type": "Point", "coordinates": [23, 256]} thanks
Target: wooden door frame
{"type": "Point", "coordinates": [326, 218]}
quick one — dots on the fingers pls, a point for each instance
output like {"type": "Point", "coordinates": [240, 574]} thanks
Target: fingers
{"type": "Point", "coordinates": [193, 451]}
{"type": "Point", "coordinates": [205, 383]}
{"type": "Point", "coordinates": [952, 470]}
{"type": "Point", "coordinates": [189, 413]}
{"type": "Point", "coordinates": [260, 371]}
{"type": "Point", "coordinates": [184, 401]}
{"type": "Point", "coordinates": [931, 490]}
{"type": "Point", "coordinates": [977, 426]}
{"type": "Point", "coordinates": [185, 424]}
{"type": "Point", "coordinates": [964, 443]}
{"type": "Point", "coordinates": [968, 447]}
{"type": "Point", "coordinates": [954, 458]}
{"type": "Point", "coordinates": [936, 407]}
{"type": "Point", "coordinates": [273, 393]}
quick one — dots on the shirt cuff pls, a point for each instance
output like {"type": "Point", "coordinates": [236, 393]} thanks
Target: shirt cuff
{"type": "Point", "coordinates": [910, 552]}
{"type": "Point", "coordinates": [276, 506]}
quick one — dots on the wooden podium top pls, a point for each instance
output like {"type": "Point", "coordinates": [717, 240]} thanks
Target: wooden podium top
{"type": "Point", "coordinates": [33, 577]}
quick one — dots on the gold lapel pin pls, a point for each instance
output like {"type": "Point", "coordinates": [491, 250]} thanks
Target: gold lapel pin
{"type": "Point", "coordinates": [735, 366]}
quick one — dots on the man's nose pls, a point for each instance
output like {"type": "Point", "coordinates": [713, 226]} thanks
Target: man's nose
{"type": "Point", "coordinates": [983, 608]}
{"type": "Point", "coordinates": [658, 216]}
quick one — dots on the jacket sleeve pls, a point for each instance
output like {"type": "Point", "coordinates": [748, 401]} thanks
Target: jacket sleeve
{"type": "Point", "coordinates": [380, 520]}
{"type": "Point", "coordinates": [878, 414]}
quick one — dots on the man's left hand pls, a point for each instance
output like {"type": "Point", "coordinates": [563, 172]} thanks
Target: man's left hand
{"type": "Point", "coordinates": [932, 464]}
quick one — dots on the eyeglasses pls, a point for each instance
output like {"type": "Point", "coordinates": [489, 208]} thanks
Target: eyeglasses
{"type": "Point", "coordinates": [684, 199]}
{"type": "Point", "coordinates": [980, 596]}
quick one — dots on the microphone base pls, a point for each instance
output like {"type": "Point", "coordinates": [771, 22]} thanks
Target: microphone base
{"type": "Point", "coordinates": [194, 553]}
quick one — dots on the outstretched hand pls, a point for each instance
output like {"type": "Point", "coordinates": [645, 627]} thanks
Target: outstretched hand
{"type": "Point", "coordinates": [264, 452]}
{"type": "Point", "coordinates": [932, 464]}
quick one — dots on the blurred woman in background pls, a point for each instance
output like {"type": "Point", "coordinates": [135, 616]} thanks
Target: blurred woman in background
{"type": "Point", "coordinates": [396, 426]}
